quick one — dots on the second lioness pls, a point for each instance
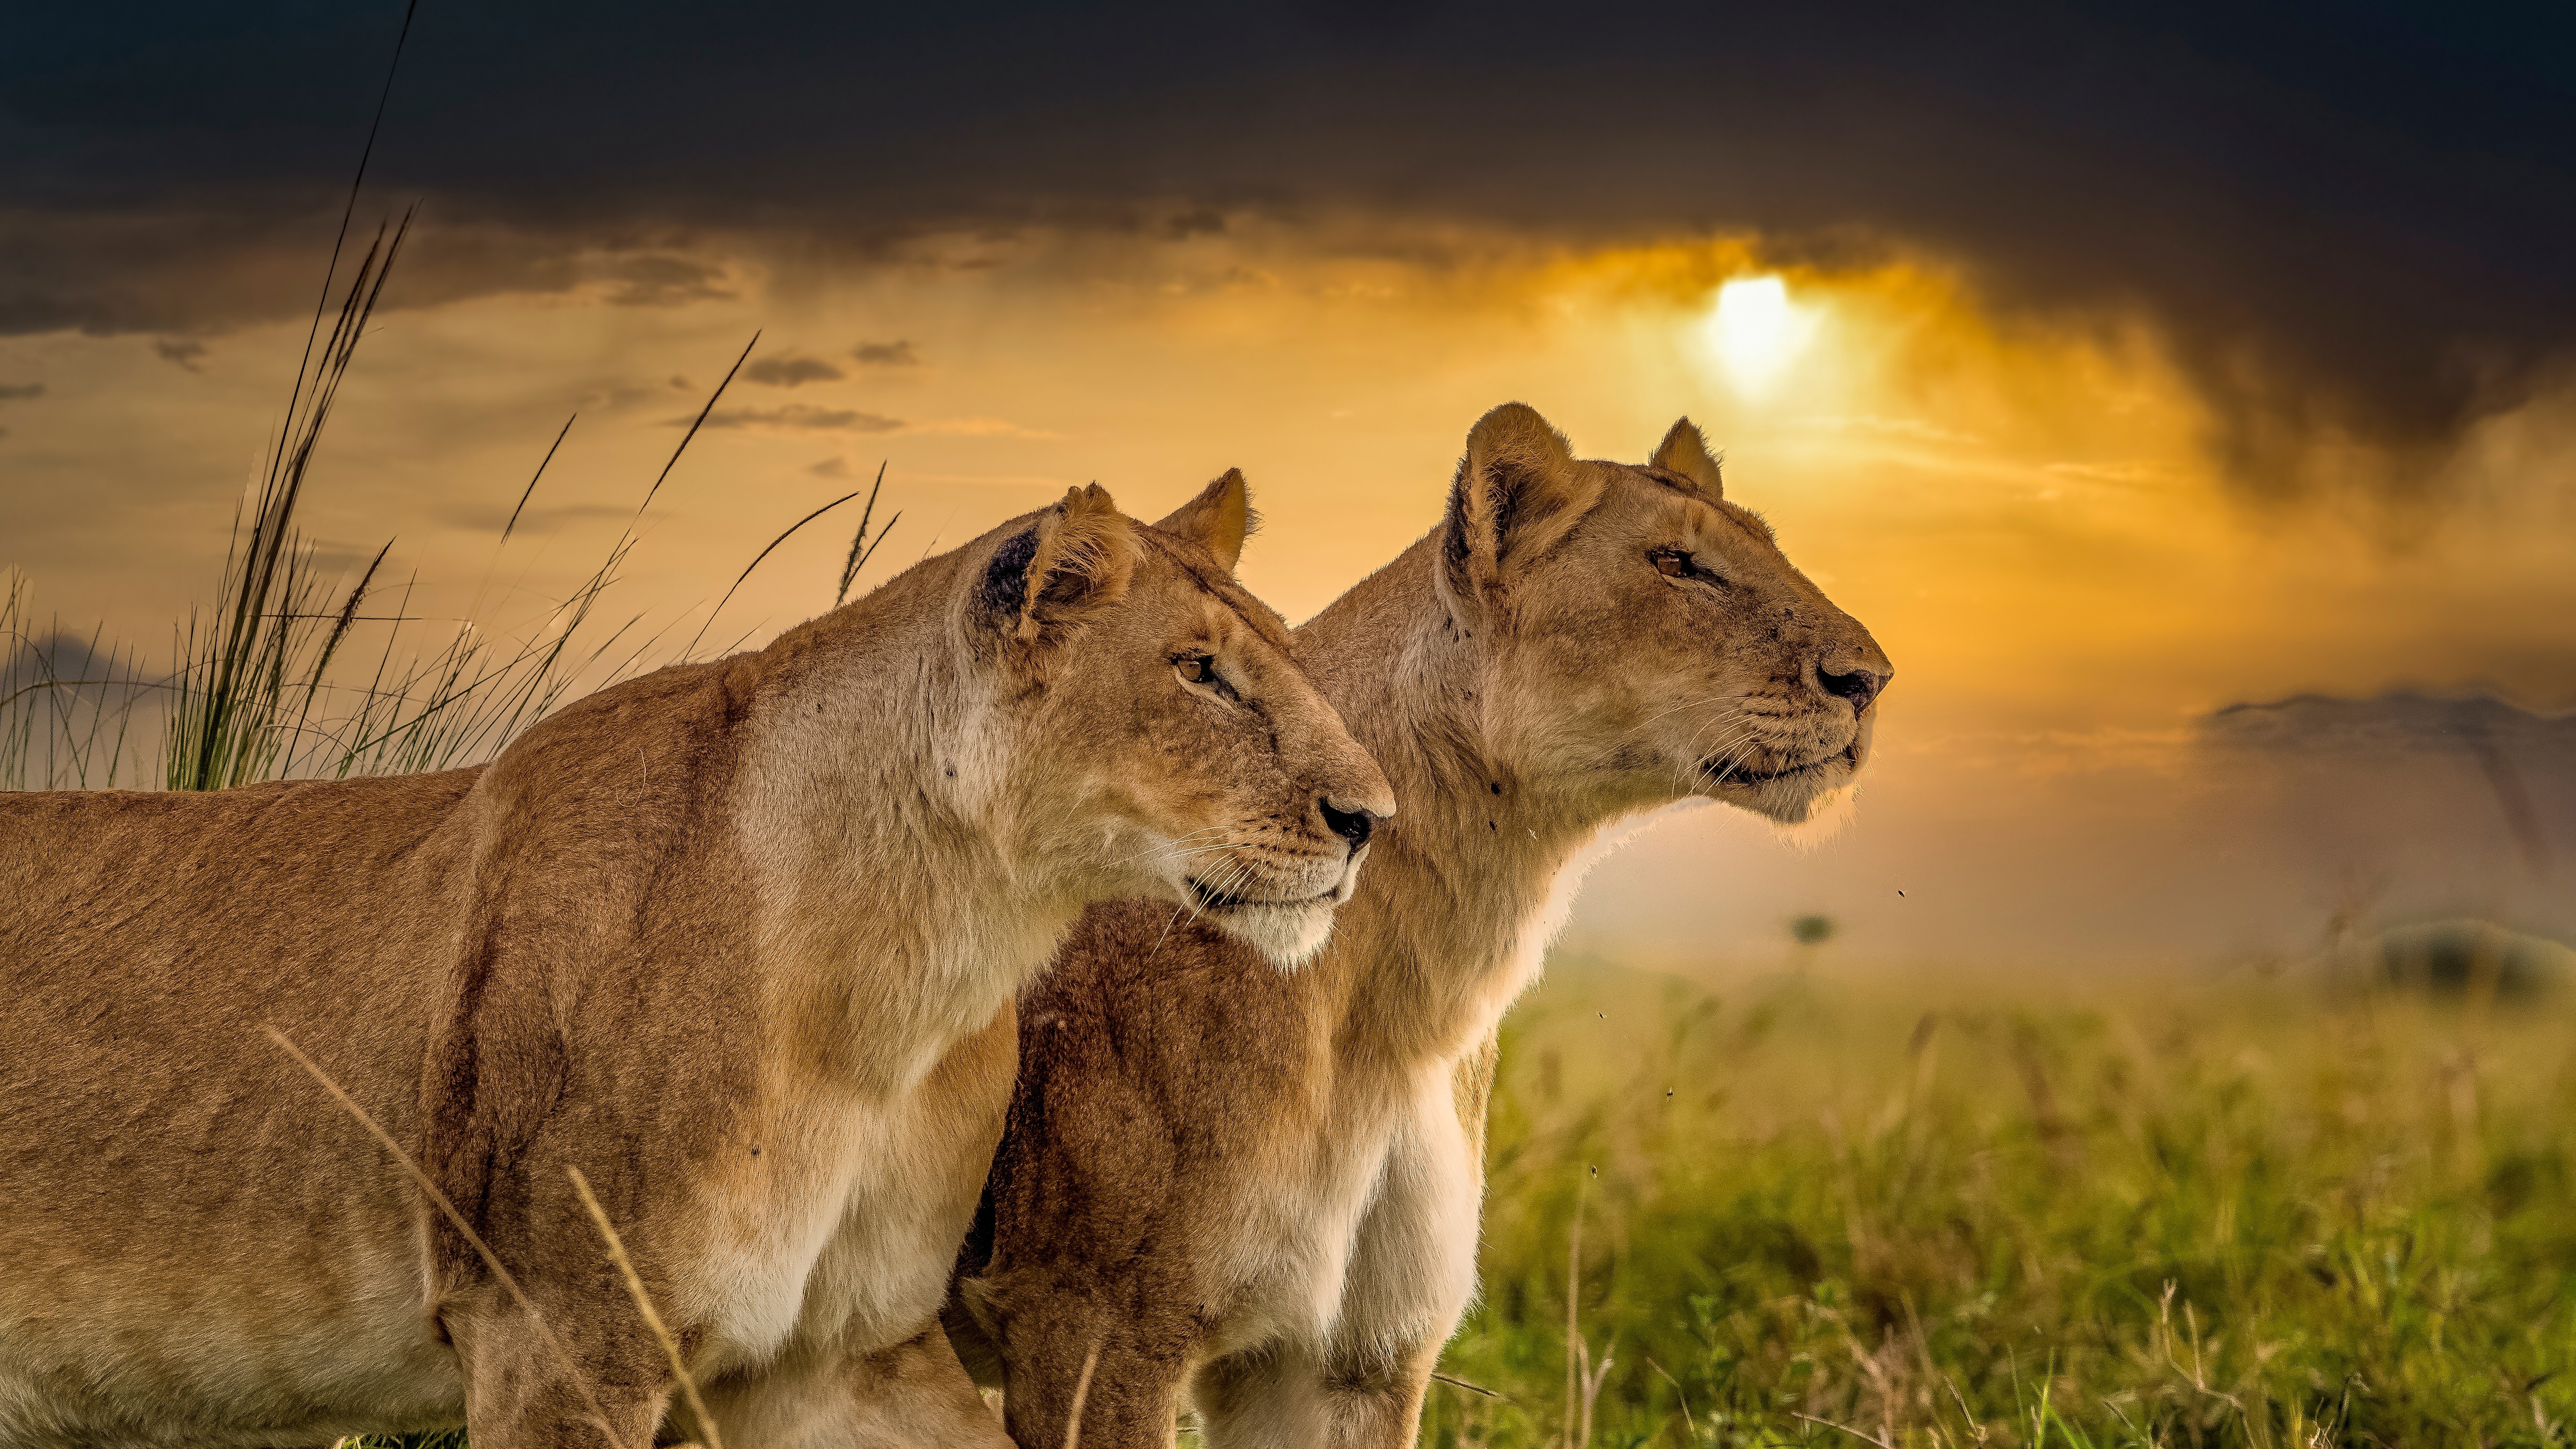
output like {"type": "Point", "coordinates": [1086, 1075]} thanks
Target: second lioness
{"type": "Point", "coordinates": [1266, 1187]}
{"type": "Point", "coordinates": [729, 939]}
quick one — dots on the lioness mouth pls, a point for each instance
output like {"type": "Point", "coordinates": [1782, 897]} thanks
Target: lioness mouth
{"type": "Point", "coordinates": [1723, 773]}
{"type": "Point", "coordinates": [1209, 898]}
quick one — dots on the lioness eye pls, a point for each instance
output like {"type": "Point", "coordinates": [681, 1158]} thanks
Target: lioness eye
{"type": "Point", "coordinates": [1672, 565]}
{"type": "Point", "coordinates": [1197, 668]}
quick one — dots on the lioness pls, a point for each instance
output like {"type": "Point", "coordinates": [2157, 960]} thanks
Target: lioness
{"type": "Point", "coordinates": [1264, 1186]}
{"type": "Point", "coordinates": [736, 940]}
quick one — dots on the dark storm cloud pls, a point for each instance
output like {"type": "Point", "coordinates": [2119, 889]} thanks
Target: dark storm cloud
{"type": "Point", "coordinates": [196, 259]}
{"type": "Point", "coordinates": [791, 371]}
{"type": "Point", "coordinates": [661, 281]}
{"type": "Point", "coordinates": [2346, 216]}
{"type": "Point", "coordinates": [886, 354]}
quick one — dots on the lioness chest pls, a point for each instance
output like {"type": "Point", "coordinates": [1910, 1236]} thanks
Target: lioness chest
{"type": "Point", "coordinates": [1280, 1245]}
{"type": "Point", "coordinates": [835, 1215]}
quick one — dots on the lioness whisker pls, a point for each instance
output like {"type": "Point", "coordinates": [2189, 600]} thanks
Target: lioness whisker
{"type": "Point", "coordinates": [1688, 704]}
{"type": "Point", "coordinates": [1212, 849]}
{"type": "Point", "coordinates": [1692, 760]}
{"type": "Point", "coordinates": [1728, 763]}
{"type": "Point", "coordinates": [1210, 890]}
{"type": "Point", "coordinates": [1168, 852]}
{"type": "Point", "coordinates": [1736, 734]}
{"type": "Point", "coordinates": [1721, 762]}
{"type": "Point", "coordinates": [1081, 1392]}
{"type": "Point", "coordinates": [1235, 875]}
{"type": "Point", "coordinates": [1729, 724]}
{"type": "Point", "coordinates": [1728, 746]}
{"type": "Point", "coordinates": [1733, 714]}
{"type": "Point", "coordinates": [1175, 843]}
{"type": "Point", "coordinates": [1167, 931]}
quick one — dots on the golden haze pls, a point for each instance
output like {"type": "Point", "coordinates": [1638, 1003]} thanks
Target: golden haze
{"type": "Point", "coordinates": [2023, 508]}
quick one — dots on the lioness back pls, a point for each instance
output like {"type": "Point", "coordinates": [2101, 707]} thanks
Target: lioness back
{"type": "Point", "coordinates": [726, 953]}
{"type": "Point", "coordinates": [146, 1121]}
{"type": "Point", "coordinates": [153, 1138]}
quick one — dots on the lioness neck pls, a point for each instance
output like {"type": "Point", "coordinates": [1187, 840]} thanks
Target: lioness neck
{"type": "Point", "coordinates": [1468, 882]}
{"type": "Point", "coordinates": [902, 852]}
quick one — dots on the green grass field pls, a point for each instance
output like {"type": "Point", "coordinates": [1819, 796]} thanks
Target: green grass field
{"type": "Point", "coordinates": [2024, 1212]}
{"type": "Point", "coordinates": [2046, 1210]}
{"type": "Point", "coordinates": [1805, 1209]}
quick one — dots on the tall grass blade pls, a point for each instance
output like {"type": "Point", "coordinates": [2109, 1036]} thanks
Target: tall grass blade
{"type": "Point", "coordinates": [755, 562]}
{"type": "Point", "coordinates": [860, 549]}
{"type": "Point", "coordinates": [500, 1273]}
{"type": "Point", "coordinates": [510, 527]}
{"type": "Point", "coordinates": [696, 423]}
{"type": "Point", "coordinates": [644, 1306]}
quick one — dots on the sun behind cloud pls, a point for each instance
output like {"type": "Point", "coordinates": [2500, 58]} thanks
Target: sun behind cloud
{"type": "Point", "coordinates": [1756, 331]}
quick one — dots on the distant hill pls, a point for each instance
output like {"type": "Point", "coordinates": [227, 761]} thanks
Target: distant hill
{"type": "Point", "coordinates": [2266, 832]}
{"type": "Point", "coordinates": [2315, 724]}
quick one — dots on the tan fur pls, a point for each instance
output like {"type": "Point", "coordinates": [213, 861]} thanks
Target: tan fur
{"type": "Point", "coordinates": [1222, 514]}
{"type": "Point", "coordinates": [738, 940]}
{"type": "Point", "coordinates": [1263, 1189]}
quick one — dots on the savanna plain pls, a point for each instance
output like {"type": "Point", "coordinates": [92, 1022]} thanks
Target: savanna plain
{"type": "Point", "coordinates": [1972, 1206]}
{"type": "Point", "coordinates": [2263, 1209]}
{"type": "Point", "coordinates": [2272, 1205]}
{"type": "Point", "coordinates": [1822, 1208]}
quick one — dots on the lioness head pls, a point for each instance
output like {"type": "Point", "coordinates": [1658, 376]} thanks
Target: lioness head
{"type": "Point", "coordinates": [1659, 643]}
{"type": "Point", "coordinates": [1164, 735]}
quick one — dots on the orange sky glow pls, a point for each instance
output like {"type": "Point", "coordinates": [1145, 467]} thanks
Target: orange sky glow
{"type": "Point", "coordinates": [2025, 508]}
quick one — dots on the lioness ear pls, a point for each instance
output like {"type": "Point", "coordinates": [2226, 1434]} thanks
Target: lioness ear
{"type": "Point", "coordinates": [1218, 520]}
{"type": "Point", "coordinates": [1076, 558]}
{"type": "Point", "coordinates": [1685, 452]}
{"type": "Point", "coordinates": [1517, 492]}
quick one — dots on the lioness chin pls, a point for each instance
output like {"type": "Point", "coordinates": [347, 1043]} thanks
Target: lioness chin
{"type": "Point", "coordinates": [738, 941]}
{"type": "Point", "coordinates": [1263, 1188]}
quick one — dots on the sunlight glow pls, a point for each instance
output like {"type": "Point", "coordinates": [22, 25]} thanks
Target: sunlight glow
{"type": "Point", "coordinates": [1756, 331]}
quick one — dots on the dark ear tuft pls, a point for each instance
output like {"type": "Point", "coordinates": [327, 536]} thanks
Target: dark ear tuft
{"type": "Point", "coordinates": [1457, 539]}
{"type": "Point", "coordinates": [1006, 578]}
{"type": "Point", "coordinates": [1046, 578]}
{"type": "Point", "coordinates": [1518, 490]}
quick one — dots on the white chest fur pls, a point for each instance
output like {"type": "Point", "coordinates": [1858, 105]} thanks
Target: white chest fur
{"type": "Point", "coordinates": [1374, 1247]}
{"type": "Point", "coordinates": [845, 1231]}
{"type": "Point", "coordinates": [1287, 1246]}
{"type": "Point", "coordinates": [1374, 1244]}
{"type": "Point", "coordinates": [888, 977]}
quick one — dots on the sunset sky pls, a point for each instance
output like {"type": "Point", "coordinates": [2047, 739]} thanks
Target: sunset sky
{"type": "Point", "coordinates": [2114, 363]}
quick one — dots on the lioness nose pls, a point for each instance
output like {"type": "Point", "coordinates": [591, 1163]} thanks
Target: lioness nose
{"type": "Point", "coordinates": [1351, 825]}
{"type": "Point", "coordinates": [1860, 686]}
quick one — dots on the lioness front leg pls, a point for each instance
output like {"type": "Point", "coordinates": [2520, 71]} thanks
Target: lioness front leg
{"type": "Point", "coordinates": [1290, 1396]}
{"type": "Point", "coordinates": [571, 1389]}
{"type": "Point", "coordinates": [1117, 1374]}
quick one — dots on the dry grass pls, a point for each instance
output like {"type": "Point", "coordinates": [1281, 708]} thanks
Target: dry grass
{"type": "Point", "coordinates": [271, 681]}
